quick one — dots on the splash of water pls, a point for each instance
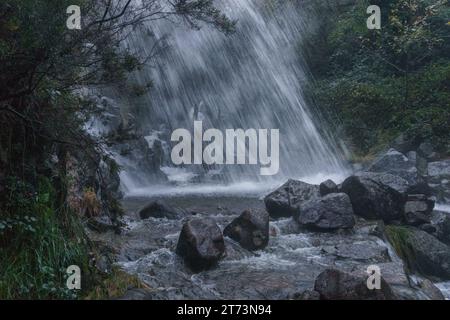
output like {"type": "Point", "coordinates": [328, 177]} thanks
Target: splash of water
{"type": "Point", "coordinates": [252, 79]}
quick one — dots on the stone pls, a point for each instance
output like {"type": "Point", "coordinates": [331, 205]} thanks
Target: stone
{"type": "Point", "coordinates": [284, 201]}
{"type": "Point", "coordinates": [422, 252]}
{"type": "Point", "coordinates": [250, 229]}
{"type": "Point", "coordinates": [334, 211]}
{"type": "Point", "coordinates": [328, 187]}
{"type": "Point", "coordinates": [418, 209]}
{"type": "Point", "coordinates": [376, 195]}
{"type": "Point", "coordinates": [159, 209]}
{"type": "Point", "coordinates": [333, 284]}
{"type": "Point", "coordinates": [201, 244]}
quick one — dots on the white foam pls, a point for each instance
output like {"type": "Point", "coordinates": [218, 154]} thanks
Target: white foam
{"type": "Point", "coordinates": [245, 188]}
{"type": "Point", "coordinates": [442, 207]}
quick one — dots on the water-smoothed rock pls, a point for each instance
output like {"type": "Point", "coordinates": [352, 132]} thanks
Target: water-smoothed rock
{"type": "Point", "coordinates": [284, 201]}
{"type": "Point", "coordinates": [421, 251]}
{"type": "Point", "coordinates": [250, 229]}
{"type": "Point", "coordinates": [333, 284]}
{"type": "Point", "coordinates": [201, 244]}
{"type": "Point", "coordinates": [328, 187]}
{"type": "Point", "coordinates": [159, 209]}
{"type": "Point", "coordinates": [333, 211]}
{"type": "Point", "coordinates": [418, 209]}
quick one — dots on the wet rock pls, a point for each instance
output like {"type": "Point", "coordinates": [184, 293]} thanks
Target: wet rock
{"type": "Point", "coordinates": [159, 209]}
{"type": "Point", "coordinates": [284, 201]}
{"type": "Point", "coordinates": [418, 209]}
{"type": "Point", "coordinates": [102, 224]}
{"type": "Point", "coordinates": [421, 251]}
{"type": "Point", "coordinates": [328, 187]}
{"type": "Point", "coordinates": [333, 284]}
{"type": "Point", "coordinates": [334, 211]}
{"type": "Point", "coordinates": [441, 222]}
{"type": "Point", "coordinates": [398, 164]}
{"type": "Point", "coordinates": [376, 195]}
{"type": "Point", "coordinates": [428, 228]}
{"type": "Point", "coordinates": [201, 244]}
{"type": "Point", "coordinates": [430, 290]}
{"type": "Point", "coordinates": [306, 295]}
{"type": "Point", "coordinates": [439, 179]}
{"type": "Point", "coordinates": [250, 229]}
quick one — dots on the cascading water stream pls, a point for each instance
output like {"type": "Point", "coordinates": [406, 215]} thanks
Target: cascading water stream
{"type": "Point", "coordinates": [251, 79]}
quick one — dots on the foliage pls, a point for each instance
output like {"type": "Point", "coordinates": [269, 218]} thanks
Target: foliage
{"type": "Point", "coordinates": [114, 285]}
{"type": "Point", "coordinates": [43, 68]}
{"type": "Point", "coordinates": [38, 241]}
{"type": "Point", "coordinates": [380, 83]}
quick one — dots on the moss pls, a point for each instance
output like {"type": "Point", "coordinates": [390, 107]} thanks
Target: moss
{"type": "Point", "coordinates": [399, 238]}
{"type": "Point", "coordinates": [114, 285]}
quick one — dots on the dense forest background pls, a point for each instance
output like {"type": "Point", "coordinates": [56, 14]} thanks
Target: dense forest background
{"type": "Point", "coordinates": [372, 85]}
{"type": "Point", "coordinates": [376, 85]}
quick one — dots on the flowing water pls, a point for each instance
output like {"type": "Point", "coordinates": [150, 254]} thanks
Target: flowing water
{"type": "Point", "coordinates": [251, 79]}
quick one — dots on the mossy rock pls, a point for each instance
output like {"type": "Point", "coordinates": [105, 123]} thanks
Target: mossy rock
{"type": "Point", "coordinates": [420, 251]}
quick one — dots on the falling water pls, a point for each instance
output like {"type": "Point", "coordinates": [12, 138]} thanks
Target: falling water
{"type": "Point", "coordinates": [251, 79]}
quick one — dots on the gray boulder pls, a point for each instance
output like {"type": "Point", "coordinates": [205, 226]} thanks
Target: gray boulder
{"type": "Point", "coordinates": [250, 229]}
{"type": "Point", "coordinates": [421, 251]}
{"type": "Point", "coordinates": [398, 164]}
{"type": "Point", "coordinates": [376, 195]}
{"type": "Point", "coordinates": [328, 187]}
{"type": "Point", "coordinates": [333, 284]}
{"type": "Point", "coordinates": [418, 209]}
{"type": "Point", "coordinates": [201, 244]}
{"type": "Point", "coordinates": [284, 201]}
{"type": "Point", "coordinates": [334, 211]}
{"type": "Point", "coordinates": [159, 209]}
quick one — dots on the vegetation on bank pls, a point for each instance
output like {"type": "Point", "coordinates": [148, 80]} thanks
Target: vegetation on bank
{"type": "Point", "coordinates": [374, 85]}
{"type": "Point", "coordinates": [43, 67]}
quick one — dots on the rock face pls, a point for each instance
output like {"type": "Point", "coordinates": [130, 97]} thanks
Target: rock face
{"type": "Point", "coordinates": [201, 244]}
{"type": "Point", "coordinates": [284, 201]}
{"type": "Point", "coordinates": [250, 229]}
{"type": "Point", "coordinates": [159, 209]}
{"type": "Point", "coordinates": [334, 211]}
{"type": "Point", "coordinates": [439, 179]}
{"type": "Point", "coordinates": [418, 209]}
{"type": "Point", "coordinates": [328, 187]}
{"type": "Point", "coordinates": [333, 284]}
{"type": "Point", "coordinates": [421, 251]}
{"type": "Point", "coordinates": [376, 195]}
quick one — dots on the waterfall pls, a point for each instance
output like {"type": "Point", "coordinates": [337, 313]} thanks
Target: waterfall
{"type": "Point", "coordinates": [251, 79]}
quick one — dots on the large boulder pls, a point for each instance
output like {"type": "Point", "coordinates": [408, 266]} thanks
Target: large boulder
{"type": "Point", "coordinates": [421, 251]}
{"type": "Point", "coordinates": [333, 211]}
{"type": "Point", "coordinates": [250, 229]}
{"type": "Point", "coordinates": [328, 187]}
{"type": "Point", "coordinates": [333, 284]}
{"type": "Point", "coordinates": [398, 164]}
{"type": "Point", "coordinates": [418, 209]}
{"type": "Point", "coordinates": [159, 209]}
{"type": "Point", "coordinates": [376, 195]}
{"type": "Point", "coordinates": [439, 179]}
{"type": "Point", "coordinates": [284, 201]}
{"type": "Point", "coordinates": [201, 244]}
